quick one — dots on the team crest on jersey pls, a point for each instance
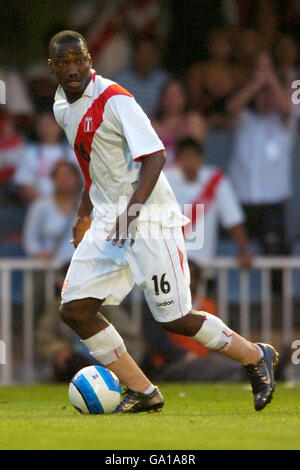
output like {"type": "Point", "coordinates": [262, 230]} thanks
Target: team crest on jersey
{"type": "Point", "coordinates": [88, 124]}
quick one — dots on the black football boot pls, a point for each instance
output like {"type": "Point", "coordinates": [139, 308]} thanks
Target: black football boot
{"type": "Point", "coordinates": [261, 376]}
{"type": "Point", "coordinates": [137, 402]}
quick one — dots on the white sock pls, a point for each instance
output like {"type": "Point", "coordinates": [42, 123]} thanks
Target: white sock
{"type": "Point", "coordinates": [149, 390]}
{"type": "Point", "coordinates": [261, 351]}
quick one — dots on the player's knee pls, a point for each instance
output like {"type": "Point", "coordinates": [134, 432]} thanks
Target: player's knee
{"type": "Point", "coordinates": [74, 314]}
{"type": "Point", "coordinates": [69, 314]}
{"type": "Point", "coordinates": [81, 312]}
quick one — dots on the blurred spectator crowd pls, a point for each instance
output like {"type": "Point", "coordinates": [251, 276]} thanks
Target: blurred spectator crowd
{"type": "Point", "coordinates": [227, 121]}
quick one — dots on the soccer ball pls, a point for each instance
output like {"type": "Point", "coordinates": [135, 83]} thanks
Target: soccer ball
{"type": "Point", "coordinates": [95, 390]}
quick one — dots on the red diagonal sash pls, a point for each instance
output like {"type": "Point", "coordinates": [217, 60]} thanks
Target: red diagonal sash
{"type": "Point", "coordinates": [205, 197]}
{"type": "Point", "coordinates": [83, 141]}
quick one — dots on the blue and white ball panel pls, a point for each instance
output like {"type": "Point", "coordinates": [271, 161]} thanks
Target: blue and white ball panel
{"type": "Point", "coordinates": [95, 390]}
{"type": "Point", "coordinates": [77, 399]}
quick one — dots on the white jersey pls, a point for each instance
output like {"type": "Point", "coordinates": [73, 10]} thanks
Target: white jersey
{"type": "Point", "coordinates": [212, 189]}
{"type": "Point", "coordinates": [110, 134]}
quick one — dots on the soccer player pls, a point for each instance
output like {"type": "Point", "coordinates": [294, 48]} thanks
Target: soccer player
{"type": "Point", "coordinates": [121, 157]}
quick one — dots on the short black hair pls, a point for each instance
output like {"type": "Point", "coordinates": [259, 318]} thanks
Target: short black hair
{"type": "Point", "coordinates": [65, 37]}
{"type": "Point", "coordinates": [188, 143]}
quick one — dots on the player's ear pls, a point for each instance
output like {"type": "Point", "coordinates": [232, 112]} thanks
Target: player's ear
{"type": "Point", "coordinates": [50, 65]}
{"type": "Point", "coordinates": [90, 60]}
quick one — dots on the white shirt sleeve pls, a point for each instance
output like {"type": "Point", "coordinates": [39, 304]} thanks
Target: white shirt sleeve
{"type": "Point", "coordinates": [228, 207]}
{"type": "Point", "coordinates": [135, 126]}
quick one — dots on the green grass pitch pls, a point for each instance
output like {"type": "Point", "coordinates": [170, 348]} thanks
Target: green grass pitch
{"type": "Point", "coordinates": [195, 416]}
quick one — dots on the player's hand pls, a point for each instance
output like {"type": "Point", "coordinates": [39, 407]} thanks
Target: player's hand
{"type": "Point", "coordinates": [81, 225]}
{"type": "Point", "coordinates": [125, 226]}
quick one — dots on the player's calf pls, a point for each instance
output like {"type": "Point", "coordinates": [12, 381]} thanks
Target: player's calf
{"type": "Point", "coordinates": [259, 360]}
{"type": "Point", "coordinates": [106, 346]}
{"type": "Point", "coordinates": [104, 342]}
{"type": "Point", "coordinates": [212, 332]}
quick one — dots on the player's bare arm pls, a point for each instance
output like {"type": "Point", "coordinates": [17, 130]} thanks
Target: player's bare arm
{"type": "Point", "coordinates": [125, 225]}
{"type": "Point", "coordinates": [83, 219]}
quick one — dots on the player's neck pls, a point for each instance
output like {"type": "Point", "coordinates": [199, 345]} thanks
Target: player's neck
{"type": "Point", "coordinates": [77, 95]}
{"type": "Point", "coordinates": [190, 178]}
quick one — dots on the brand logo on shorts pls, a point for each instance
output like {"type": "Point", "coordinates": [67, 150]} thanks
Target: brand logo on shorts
{"type": "Point", "coordinates": [165, 303]}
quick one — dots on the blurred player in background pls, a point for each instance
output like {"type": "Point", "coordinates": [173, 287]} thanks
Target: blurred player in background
{"type": "Point", "coordinates": [121, 155]}
{"type": "Point", "coordinates": [195, 182]}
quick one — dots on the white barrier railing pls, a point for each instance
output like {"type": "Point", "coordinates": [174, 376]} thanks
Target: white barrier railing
{"type": "Point", "coordinates": [28, 267]}
{"type": "Point", "coordinates": [222, 265]}
{"type": "Point", "coordinates": [265, 265]}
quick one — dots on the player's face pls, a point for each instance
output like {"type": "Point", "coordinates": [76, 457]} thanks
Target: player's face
{"type": "Point", "coordinates": [190, 162]}
{"type": "Point", "coordinates": [71, 64]}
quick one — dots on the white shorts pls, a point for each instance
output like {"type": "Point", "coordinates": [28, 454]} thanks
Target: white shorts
{"type": "Point", "coordinates": [157, 264]}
